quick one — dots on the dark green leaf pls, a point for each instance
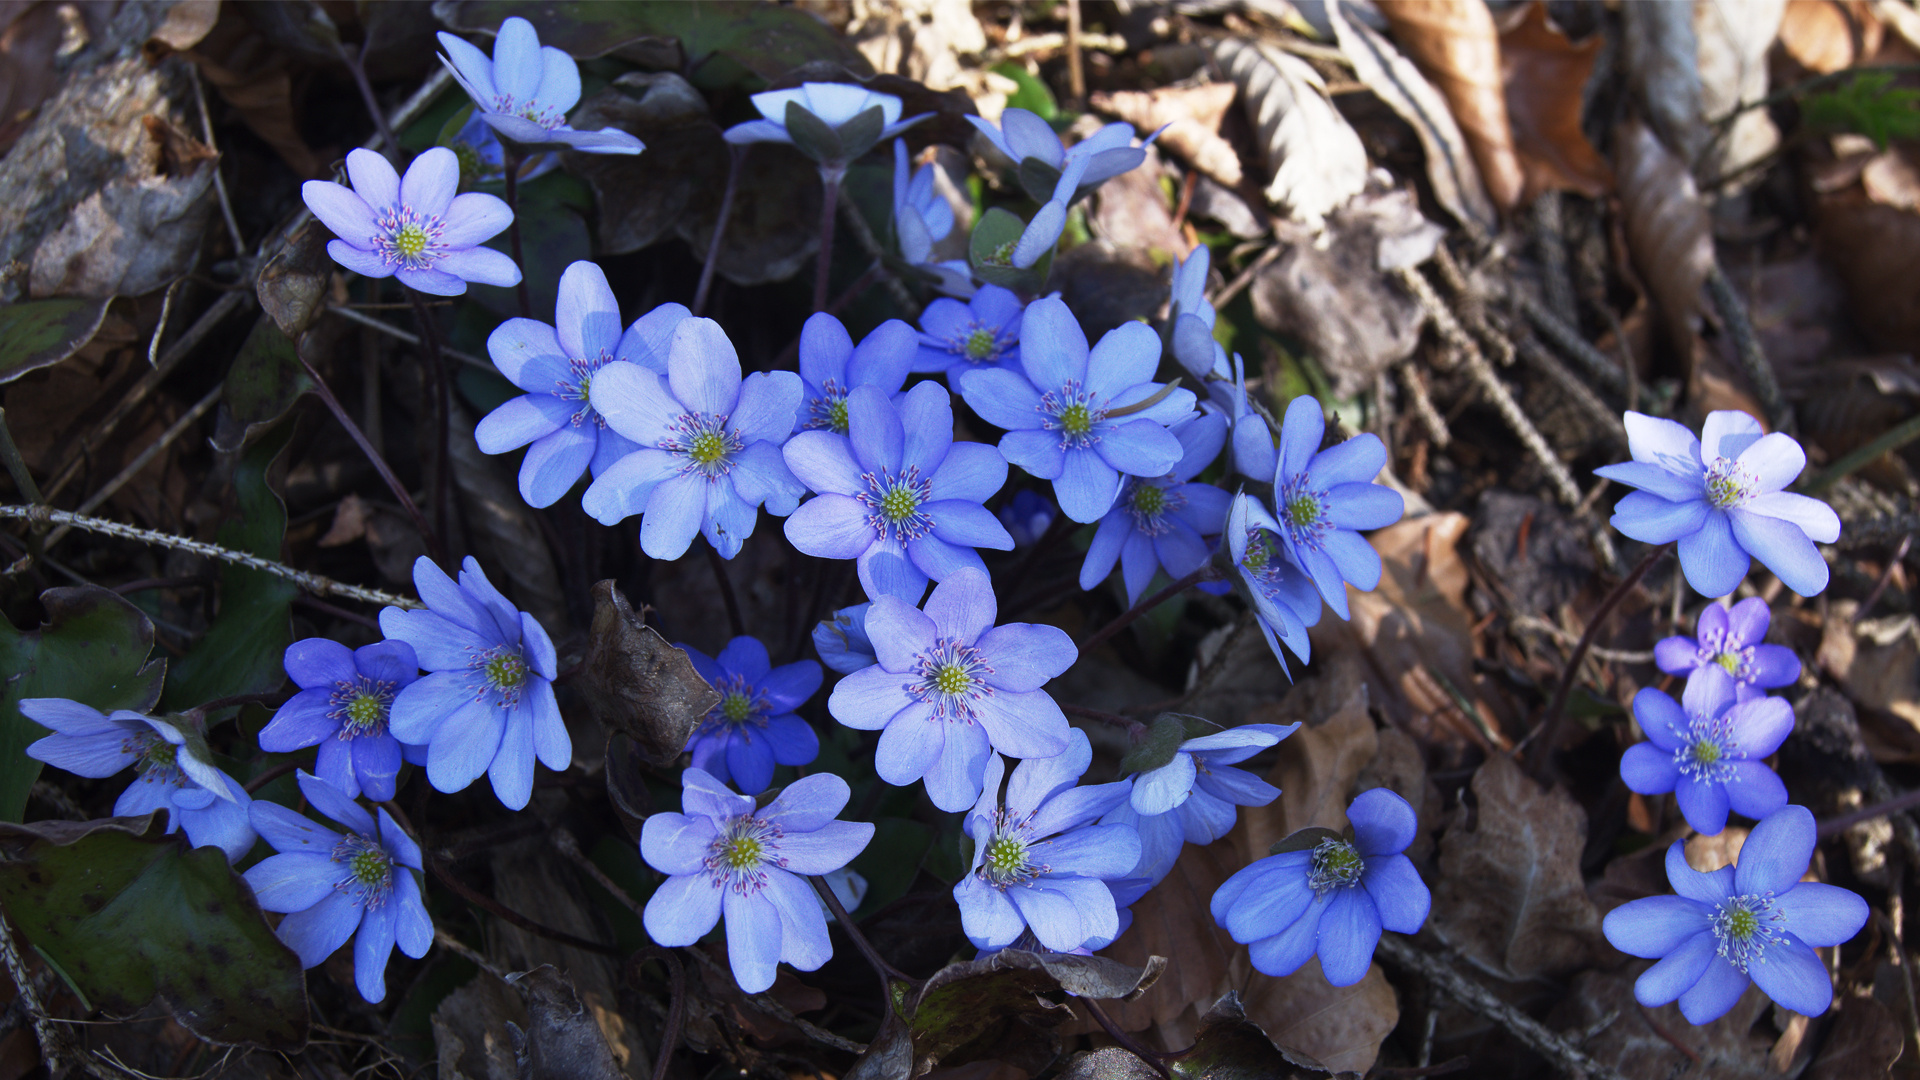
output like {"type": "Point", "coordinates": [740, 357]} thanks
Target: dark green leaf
{"type": "Point", "coordinates": [815, 137]}
{"type": "Point", "coordinates": [1038, 179]}
{"type": "Point", "coordinates": [38, 333]}
{"type": "Point", "coordinates": [129, 914]}
{"type": "Point", "coordinates": [1162, 742]}
{"type": "Point", "coordinates": [997, 1000]}
{"type": "Point", "coordinates": [92, 649]}
{"type": "Point", "coordinates": [891, 861]}
{"type": "Point", "coordinates": [241, 653]}
{"type": "Point", "coordinates": [1868, 104]}
{"type": "Point", "coordinates": [265, 380]}
{"type": "Point", "coordinates": [858, 135]}
{"type": "Point", "coordinates": [1034, 96]}
{"type": "Point", "coordinates": [990, 251]}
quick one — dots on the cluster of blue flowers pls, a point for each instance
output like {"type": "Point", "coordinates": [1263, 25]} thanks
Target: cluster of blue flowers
{"type": "Point", "coordinates": [864, 467]}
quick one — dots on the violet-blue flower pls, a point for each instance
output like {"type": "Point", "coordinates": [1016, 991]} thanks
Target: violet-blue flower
{"type": "Point", "coordinates": [483, 158]}
{"type": "Point", "coordinates": [724, 857]}
{"type": "Point", "coordinates": [1163, 521]}
{"type": "Point", "coordinates": [1709, 750]}
{"type": "Point", "coordinates": [833, 104]}
{"type": "Point", "coordinates": [1027, 515]}
{"type": "Point", "coordinates": [949, 687]}
{"type": "Point", "coordinates": [1077, 417]}
{"type": "Point", "coordinates": [343, 706]}
{"type": "Point", "coordinates": [831, 365]}
{"type": "Point", "coordinates": [842, 642]}
{"type": "Point", "coordinates": [1192, 317]}
{"type": "Point", "coordinates": [754, 727]}
{"type": "Point", "coordinates": [1321, 497]}
{"type": "Point", "coordinates": [332, 887]}
{"type": "Point", "coordinates": [1731, 645]}
{"type": "Point", "coordinates": [1040, 157]}
{"type": "Point", "coordinates": [1330, 897]}
{"type": "Point", "coordinates": [413, 227]}
{"type": "Point", "coordinates": [709, 444]}
{"type": "Point", "coordinates": [1039, 861]}
{"type": "Point", "coordinates": [486, 704]}
{"type": "Point", "coordinates": [1284, 599]}
{"type": "Point", "coordinates": [1721, 497]}
{"type": "Point", "coordinates": [897, 494]}
{"type": "Point", "coordinates": [556, 366]}
{"type": "Point", "coordinates": [982, 333]}
{"type": "Point", "coordinates": [1193, 797]}
{"type": "Point", "coordinates": [1755, 922]}
{"type": "Point", "coordinates": [525, 90]}
{"type": "Point", "coordinates": [176, 770]}
{"type": "Point", "coordinates": [921, 218]}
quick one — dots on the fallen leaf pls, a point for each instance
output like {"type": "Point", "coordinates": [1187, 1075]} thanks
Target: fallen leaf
{"type": "Point", "coordinates": [292, 286]}
{"type": "Point", "coordinates": [264, 381]}
{"type": "Point", "coordinates": [964, 1004]}
{"type": "Point", "coordinates": [1191, 115]}
{"type": "Point", "coordinates": [1891, 180]}
{"type": "Point", "coordinates": [349, 522]}
{"type": "Point", "coordinates": [635, 683]}
{"type": "Point", "coordinates": [187, 21]}
{"type": "Point", "coordinates": [1864, 1042]}
{"type": "Point", "coordinates": [29, 45]}
{"type": "Point", "coordinates": [253, 78]}
{"type": "Point", "coordinates": [1876, 661]}
{"type": "Point", "coordinates": [1456, 44]}
{"type": "Point", "coordinates": [1726, 1049]}
{"type": "Point", "coordinates": [1546, 80]}
{"type": "Point", "coordinates": [1510, 897]}
{"type": "Point", "coordinates": [1317, 764]}
{"type": "Point", "coordinates": [470, 1031]}
{"type": "Point", "coordinates": [39, 333]}
{"type": "Point", "coordinates": [1313, 154]}
{"type": "Point", "coordinates": [1131, 213]}
{"type": "Point", "coordinates": [1876, 251]}
{"type": "Point", "coordinates": [1669, 233]}
{"type": "Point", "coordinates": [1529, 552]}
{"type": "Point", "coordinates": [1663, 74]}
{"type": "Point", "coordinates": [1731, 39]}
{"type": "Point", "coordinates": [563, 1040]}
{"type": "Point", "coordinates": [1825, 36]}
{"type": "Point", "coordinates": [922, 41]}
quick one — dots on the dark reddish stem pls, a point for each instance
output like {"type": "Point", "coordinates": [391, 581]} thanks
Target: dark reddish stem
{"type": "Point", "coordinates": [1554, 721]}
{"type": "Point", "coordinates": [1126, 619]}
{"type": "Point", "coordinates": [511, 160]}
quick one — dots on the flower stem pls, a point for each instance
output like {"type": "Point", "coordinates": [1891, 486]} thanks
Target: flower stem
{"type": "Point", "coordinates": [677, 1003]}
{"type": "Point", "coordinates": [437, 398]}
{"type": "Point", "coordinates": [830, 177]}
{"type": "Point", "coordinates": [1134, 728]}
{"type": "Point", "coordinates": [1126, 619]}
{"type": "Point", "coordinates": [1126, 1041]}
{"type": "Point", "coordinates": [511, 160]}
{"type": "Point", "coordinates": [1554, 721]}
{"type": "Point", "coordinates": [725, 584]}
{"type": "Point", "coordinates": [736, 156]}
{"type": "Point", "coordinates": [879, 964]}
{"type": "Point", "coordinates": [380, 465]}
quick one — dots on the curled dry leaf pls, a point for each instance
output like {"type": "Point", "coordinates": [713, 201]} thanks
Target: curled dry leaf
{"type": "Point", "coordinates": [1669, 234]}
{"type": "Point", "coordinates": [1546, 79]}
{"type": "Point", "coordinates": [1825, 36]}
{"type": "Point", "coordinates": [1876, 661]}
{"type": "Point", "coordinates": [1313, 154]}
{"type": "Point", "coordinates": [1865, 1041]}
{"type": "Point", "coordinates": [563, 1041]}
{"type": "Point", "coordinates": [1732, 38]}
{"type": "Point", "coordinates": [637, 684]}
{"type": "Point", "coordinates": [1510, 897]}
{"type": "Point", "coordinates": [1191, 115]}
{"type": "Point", "coordinates": [965, 1004]}
{"type": "Point", "coordinates": [1456, 181]}
{"type": "Point", "coordinates": [1663, 74]}
{"type": "Point", "coordinates": [1727, 1048]}
{"type": "Point", "coordinates": [1457, 45]}
{"type": "Point", "coordinates": [1875, 248]}
{"type": "Point", "coordinates": [470, 1031]}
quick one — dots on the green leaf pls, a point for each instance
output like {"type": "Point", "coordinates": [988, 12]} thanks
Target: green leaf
{"type": "Point", "coordinates": [92, 649]}
{"type": "Point", "coordinates": [129, 914]}
{"type": "Point", "coordinates": [990, 251]}
{"type": "Point", "coordinates": [39, 333]}
{"type": "Point", "coordinates": [815, 137]}
{"type": "Point", "coordinates": [891, 861]}
{"type": "Point", "coordinates": [747, 37]}
{"type": "Point", "coordinates": [1034, 96]}
{"type": "Point", "coordinates": [996, 1003]}
{"type": "Point", "coordinates": [265, 380]}
{"type": "Point", "coordinates": [1868, 104]}
{"type": "Point", "coordinates": [241, 652]}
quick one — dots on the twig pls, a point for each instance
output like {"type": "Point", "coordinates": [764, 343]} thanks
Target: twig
{"type": "Point", "coordinates": [313, 583]}
{"type": "Point", "coordinates": [1568, 340]}
{"type": "Point", "coordinates": [676, 1002]}
{"type": "Point", "coordinates": [1614, 656]}
{"type": "Point", "coordinates": [400, 335]}
{"type": "Point", "coordinates": [144, 458]}
{"type": "Point", "coordinates": [565, 844]}
{"type": "Point", "coordinates": [511, 178]}
{"type": "Point", "coordinates": [17, 465]}
{"type": "Point", "coordinates": [380, 466]}
{"type": "Point", "coordinates": [440, 491]}
{"type": "Point", "coordinates": [356, 63]}
{"type": "Point", "coordinates": [1550, 724]}
{"type": "Point", "coordinates": [52, 1040]}
{"type": "Point", "coordinates": [1430, 417]}
{"type": "Point", "coordinates": [1496, 390]}
{"type": "Point", "coordinates": [1746, 347]}
{"type": "Point", "coordinates": [166, 311]}
{"type": "Point", "coordinates": [1076, 72]}
{"type": "Point", "coordinates": [1551, 233]}
{"type": "Point", "coordinates": [1569, 1058]}
{"type": "Point", "coordinates": [1245, 277]}
{"type": "Point", "coordinates": [1127, 617]}
{"type": "Point", "coordinates": [1126, 1041]}
{"type": "Point", "coordinates": [219, 183]}
{"type": "Point", "coordinates": [270, 776]}
{"type": "Point", "coordinates": [1880, 586]}
{"type": "Point", "coordinates": [460, 948]}
{"type": "Point", "coordinates": [880, 967]}
{"type": "Point", "coordinates": [725, 585]}
{"type": "Point", "coordinates": [1571, 385]}
{"type": "Point", "coordinates": [495, 907]}
{"type": "Point", "coordinates": [1892, 439]}
{"type": "Point", "coordinates": [736, 158]}
{"type": "Point", "coordinates": [1838, 825]}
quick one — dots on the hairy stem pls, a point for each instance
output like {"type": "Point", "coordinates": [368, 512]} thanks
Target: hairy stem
{"type": "Point", "coordinates": [438, 492]}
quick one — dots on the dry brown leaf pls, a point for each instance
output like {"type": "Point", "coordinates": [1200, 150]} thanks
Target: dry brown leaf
{"type": "Point", "coordinates": [28, 44]}
{"type": "Point", "coordinates": [1669, 234]}
{"type": "Point", "coordinates": [1825, 36]}
{"type": "Point", "coordinates": [1173, 921]}
{"type": "Point", "coordinates": [1864, 1043]}
{"type": "Point", "coordinates": [1314, 156]}
{"type": "Point", "coordinates": [1341, 1027]}
{"type": "Point", "coordinates": [1192, 115]}
{"type": "Point", "coordinates": [349, 522]}
{"type": "Point", "coordinates": [186, 23]}
{"type": "Point", "coordinates": [1663, 72]}
{"type": "Point", "coordinates": [1731, 39]}
{"type": "Point", "coordinates": [1876, 661]}
{"type": "Point", "coordinates": [1546, 79]}
{"type": "Point", "coordinates": [1876, 251]}
{"type": "Point", "coordinates": [1891, 180]}
{"type": "Point", "coordinates": [1319, 763]}
{"type": "Point", "coordinates": [1510, 897]}
{"type": "Point", "coordinates": [1727, 1049]}
{"type": "Point", "coordinates": [254, 78]}
{"type": "Point", "coordinates": [1457, 46]}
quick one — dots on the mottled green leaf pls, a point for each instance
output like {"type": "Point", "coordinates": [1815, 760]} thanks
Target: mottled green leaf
{"type": "Point", "coordinates": [129, 914]}
{"type": "Point", "coordinates": [92, 649]}
{"type": "Point", "coordinates": [38, 333]}
{"type": "Point", "coordinates": [990, 251]}
{"type": "Point", "coordinates": [265, 380]}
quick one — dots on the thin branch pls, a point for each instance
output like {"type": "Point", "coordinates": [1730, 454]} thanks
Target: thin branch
{"type": "Point", "coordinates": [1245, 277]}
{"type": "Point", "coordinates": [17, 465]}
{"type": "Point", "coordinates": [1126, 618]}
{"type": "Point", "coordinates": [495, 907]}
{"type": "Point", "coordinates": [1746, 347]}
{"type": "Point", "coordinates": [725, 585]}
{"type": "Point", "coordinates": [1550, 725]}
{"type": "Point", "coordinates": [355, 315]}
{"type": "Point", "coordinates": [380, 466]}
{"type": "Point", "coordinates": [1892, 439]}
{"type": "Point", "coordinates": [1838, 825]}
{"type": "Point", "coordinates": [52, 1040]}
{"type": "Point", "coordinates": [879, 964]}
{"type": "Point", "coordinates": [144, 458]}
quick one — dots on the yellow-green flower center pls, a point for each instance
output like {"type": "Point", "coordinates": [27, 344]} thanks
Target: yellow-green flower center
{"type": "Point", "coordinates": [365, 710]}
{"type": "Point", "coordinates": [160, 755]}
{"type": "Point", "coordinates": [1076, 419]}
{"type": "Point", "coordinates": [507, 671]}
{"type": "Point", "coordinates": [742, 853]}
{"type": "Point", "coordinates": [1303, 510]}
{"type": "Point", "coordinates": [1335, 864]}
{"type": "Point", "coordinates": [837, 416]}
{"type": "Point", "coordinates": [1006, 856]}
{"type": "Point", "coordinates": [951, 679]}
{"type": "Point", "coordinates": [369, 867]}
{"type": "Point", "coordinates": [1729, 661]}
{"type": "Point", "coordinates": [707, 448]}
{"type": "Point", "coordinates": [736, 707]}
{"type": "Point", "coordinates": [1705, 752]}
{"type": "Point", "coordinates": [410, 240]}
{"type": "Point", "coordinates": [1149, 499]}
{"type": "Point", "coordinates": [1741, 924]}
{"type": "Point", "coordinates": [899, 503]}
{"type": "Point", "coordinates": [980, 344]}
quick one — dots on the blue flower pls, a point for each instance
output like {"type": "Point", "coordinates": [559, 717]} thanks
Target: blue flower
{"type": "Point", "coordinates": [1754, 922]}
{"type": "Point", "coordinates": [1192, 318]}
{"type": "Point", "coordinates": [949, 687]}
{"type": "Point", "coordinates": [176, 770]}
{"type": "Point", "coordinates": [1321, 497]}
{"type": "Point", "coordinates": [1081, 418]}
{"type": "Point", "coordinates": [556, 366]}
{"type": "Point", "coordinates": [1040, 156]}
{"type": "Point", "coordinates": [1332, 898]}
{"type": "Point", "coordinates": [831, 366]}
{"type": "Point", "coordinates": [525, 90]}
{"type": "Point", "coordinates": [1283, 597]}
{"type": "Point", "coordinates": [332, 887]}
{"type": "Point", "coordinates": [342, 707]}
{"type": "Point", "coordinates": [982, 333]}
{"type": "Point", "coordinates": [842, 640]}
{"type": "Point", "coordinates": [921, 217]}
{"type": "Point", "coordinates": [486, 704]}
{"type": "Point", "coordinates": [1191, 799]}
{"type": "Point", "coordinates": [897, 494]}
{"type": "Point", "coordinates": [1027, 515]}
{"type": "Point", "coordinates": [415, 228]}
{"type": "Point", "coordinates": [1731, 646]}
{"type": "Point", "coordinates": [1163, 521]}
{"type": "Point", "coordinates": [709, 443]}
{"type": "Point", "coordinates": [1043, 232]}
{"type": "Point", "coordinates": [1710, 751]}
{"type": "Point", "coordinates": [722, 856]}
{"type": "Point", "coordinates": [1720, 496]}
{"type": "Point", "coordinates": [1040, 864]}
{"type": "Point", "coordinates": [754, 727]}
{"type": "Point", "coordinates": [482, 157]}
{"type": "Point", "coordinates": [834, 104]}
